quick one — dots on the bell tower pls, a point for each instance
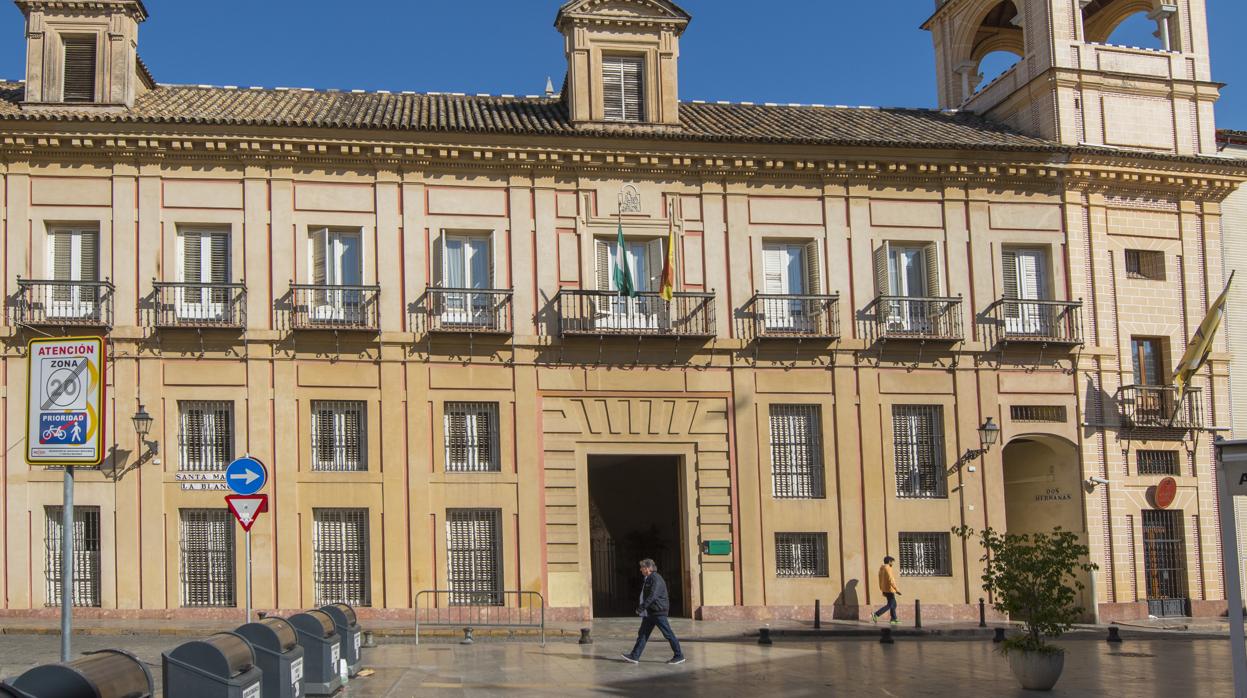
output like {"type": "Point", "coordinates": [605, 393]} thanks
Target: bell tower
{"type": "Point", "coordinates": [83, 53]}
{"type": "Point", "coordinates": [1069, 84]}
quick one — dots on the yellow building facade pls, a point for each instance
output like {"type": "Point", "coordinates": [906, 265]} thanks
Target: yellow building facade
{"type": "Point", "coordinates": [407, 306]}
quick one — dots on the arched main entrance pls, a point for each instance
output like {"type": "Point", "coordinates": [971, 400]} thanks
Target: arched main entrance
{"type": "Point", "coordinates": [1043, 490]}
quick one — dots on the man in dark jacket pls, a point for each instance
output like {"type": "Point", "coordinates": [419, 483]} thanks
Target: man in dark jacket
{"type": "Point", "coordinates": [653, 609]}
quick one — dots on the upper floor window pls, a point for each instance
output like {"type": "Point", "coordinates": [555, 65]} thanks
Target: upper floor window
{"type": "Point", "coordinates": [790, 268]}
{"type": "Point", "coordinates": [1145, 264]}
{"type": "Point", "coordinates": [73, 258]}
{"type": "Point", "coordinates": [1148, 359]}
{"type": "Point", "coordinates": [796, 452]}
{"type": "Point", "coordinates": [339, 435]}
{"type": "Point", "coordinates": [623, 88]}
{"type": "Point", "coordinates": [466, 261]}
{"type": "Point", "coordinates": [918, 442]}
{"type": "Point", "coordinates": [336, 258]}
{"type": "Point", "coordinates": [472, 437]}
{"type": "Point", "coordinates": [203, 266]}
{"type": "Point", "coordinates": [79, 69]}
{"type": "Point", "coordinates": [206, 434]}
{"type": "Point", "coordinates": [908, 269]}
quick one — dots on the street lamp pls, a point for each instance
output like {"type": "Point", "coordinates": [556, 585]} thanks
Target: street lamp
{"type": "Point", "coordinates": [142, 425]}
{"type": "Point", "coordinates": [988, 433]}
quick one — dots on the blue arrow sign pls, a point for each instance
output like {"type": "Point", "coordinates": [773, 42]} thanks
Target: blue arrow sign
{"type": "Point", "coordinates": [246, 476]}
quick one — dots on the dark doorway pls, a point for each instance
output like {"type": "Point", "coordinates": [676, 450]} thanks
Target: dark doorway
{"type": "Point", "coordinates": [1164, 563]}
{"type": "Point", "coordinates": [634, 513]}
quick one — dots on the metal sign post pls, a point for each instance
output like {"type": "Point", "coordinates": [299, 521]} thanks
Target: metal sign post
{"type": "Point", "coordinates": [65, 427]}
{"type": "Point", "coordinates": [246, 476]}
{"type": "Point", "coordinates": [1232, 474]}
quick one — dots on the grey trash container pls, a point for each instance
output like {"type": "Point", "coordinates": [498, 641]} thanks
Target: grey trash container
{"type": "Point", "coordinates": [321, 651]}
{"type": "Point", "coordinates": [278, 654]}
{"type": "Point", "coordinates": [344, 620]}
{"type": "Point", "coordinates": [103, 674]}
{"type": "Point", "coordinates": [219, 666]}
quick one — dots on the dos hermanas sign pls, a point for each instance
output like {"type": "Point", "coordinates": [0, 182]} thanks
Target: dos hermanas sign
{"type": "Point", "coordinates": [65, 398]}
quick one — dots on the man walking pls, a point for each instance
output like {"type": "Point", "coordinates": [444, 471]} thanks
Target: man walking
{"type": "Point", "coordinates": [653, 609]}
{"type": "Point", "coordinates": [887, 584]}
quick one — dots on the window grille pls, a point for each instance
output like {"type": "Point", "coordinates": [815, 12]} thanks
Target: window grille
{"type": "Point", "coordinates": [1145, 264]}
{"type": "Point", "coordinates": [338, 435]}
{"type": "Point", "coordinates": [79, 72]}
{"type": "Point", "coordinates": [86, 583]}
{"type": "Point", "coordinates": [796, 452]}
{"type": "Point", "coordinates": [1157, 462]}
{"type": "Point", "coordinates": [801, 554]}
{"type": "Point", "coordinates": [340, 557]}
{"type": "Point", "coordinates": [474, 556]}
{"type": "Point", "coordinates": [925, 555]}
{"type": "Point", "coordinates": [918, 433]}
{"type": "Point", "coordinates": [623, 88]}
{"type": "Point", "coordinates": [206, 436]}
{"type": "Point", "coordinates": [472, 437]}
{"type": "Point", "coordinates": [1038, 413]}
{"type": "Point", "coordinates": [207, 542]}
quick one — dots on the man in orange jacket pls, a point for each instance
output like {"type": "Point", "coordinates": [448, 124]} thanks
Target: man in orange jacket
{"type": "Point", "coordinates": [887, 584]}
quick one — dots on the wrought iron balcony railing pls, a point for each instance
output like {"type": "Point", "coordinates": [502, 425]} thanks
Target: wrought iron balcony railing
{"type": "Point", "coordinates": [198, 305]}
{"type": "Point", "coordinates": [1158, 407]}
{"type": "Point", "coordinates": [466, 310]}
{"type": "Point", "coordinates": [905, 317]}
{"type": "Point", "coordinates": [331, 307]}
{"type": "Point", "coordinates": [50, 303]}
{"type": "Point", "coordinates": [608, 313]}
{"type": "Point", "coordinates": [796, 316]}
{"type": "Point", "coordinates": [1040, 322]}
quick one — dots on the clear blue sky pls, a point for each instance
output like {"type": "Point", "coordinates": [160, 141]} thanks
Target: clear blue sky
{"type": "Point", "coordinates": [806, 51]}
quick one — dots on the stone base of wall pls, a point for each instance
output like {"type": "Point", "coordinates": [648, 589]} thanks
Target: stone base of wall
{"type": "Point", "coordinates": [1137, 610]}
{"type": "Point", "coordinates": [930, 612]}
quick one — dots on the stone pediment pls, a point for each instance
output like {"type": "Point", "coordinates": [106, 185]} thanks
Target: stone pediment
{"type": "Point", "coordinates": [623, 11]}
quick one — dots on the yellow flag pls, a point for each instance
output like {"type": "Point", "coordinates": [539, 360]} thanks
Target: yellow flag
{"type": "Point", "coordinates": [1201, 344]}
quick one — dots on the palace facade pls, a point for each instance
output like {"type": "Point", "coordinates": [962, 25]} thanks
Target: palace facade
{"type": "Point", "coordinates": [885, 323]}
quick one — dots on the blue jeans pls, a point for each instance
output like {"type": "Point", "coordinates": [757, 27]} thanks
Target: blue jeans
{"type": "Point", "coordinates": [647, 626]}
{"type": "Point", "coordinates": [890, 606]}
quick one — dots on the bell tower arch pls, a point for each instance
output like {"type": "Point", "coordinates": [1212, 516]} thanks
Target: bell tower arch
{"type": "Point", "coordinates": [1069, 84]}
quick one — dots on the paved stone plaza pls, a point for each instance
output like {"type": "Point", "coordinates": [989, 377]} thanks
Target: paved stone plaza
{"type": "Point", "coordinates": [843, 667]}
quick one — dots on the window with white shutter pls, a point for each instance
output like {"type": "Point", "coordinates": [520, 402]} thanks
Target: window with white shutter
{"type": "Point", "coordinates": [86, 582]}
{"type": "Point", "coordinates": [796, 452]}
{"type": "Point", "coordinates": [925, 555]}
{"type": "Point", "coordinates": [474, 556]}
{"type": "Point", "coordinates": [79, 68]}
{"type": "Point", "coordinates": [207, 545]}
{"type": "Point", "coordinates": [339, 435]}
{"type": "Point", "coordinates": [340, 557]}
{"type": "Point", "coordinates": [472, 437]}
{"type": "Point", "coordinates": [205, 434]}
{"type": "Point", "coordinates": [918, 447]}
{"type": "Point", "coordinates": [623, 88]}
{"type": "Point", "coordinates": [204, 266]}
{"type": "Point", "coordinates": [801, 554]}
{"type": "Point", "coordinates": [73, 258]}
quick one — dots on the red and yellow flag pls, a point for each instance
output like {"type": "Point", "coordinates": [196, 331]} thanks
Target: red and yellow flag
{"type": "Point", "coordinates": [668, 267]}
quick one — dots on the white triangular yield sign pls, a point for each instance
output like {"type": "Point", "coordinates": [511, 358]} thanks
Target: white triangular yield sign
{"type": "Point", "coordinates": [247, 508]}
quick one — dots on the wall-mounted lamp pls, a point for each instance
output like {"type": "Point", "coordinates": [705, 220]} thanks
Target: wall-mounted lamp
{"type": "Point", "coordinates": [1093, 481]}
{"type": "Point", "coordinates": [142, 426]}
{"type": "Point", "coordinates": [988, 434]}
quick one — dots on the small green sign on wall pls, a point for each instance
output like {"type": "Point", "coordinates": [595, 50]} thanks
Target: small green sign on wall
{"type": "Point", "coordinates": [717, 547]}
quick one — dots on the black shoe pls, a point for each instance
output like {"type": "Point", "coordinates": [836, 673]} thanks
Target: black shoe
{"type": "Point", "coordinates": [630, 659]}
{"type": "Point", "coordinates": [676, 660]}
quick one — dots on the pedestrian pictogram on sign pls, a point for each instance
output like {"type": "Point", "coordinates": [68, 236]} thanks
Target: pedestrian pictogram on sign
{"type": "Point", "coordinates": [247, 508]}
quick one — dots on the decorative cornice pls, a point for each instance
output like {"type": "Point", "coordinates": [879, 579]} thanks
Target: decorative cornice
{"type": "Point", "coordinates": [653, 14]}
{"type": "Point", "coordinates": [134, 8]}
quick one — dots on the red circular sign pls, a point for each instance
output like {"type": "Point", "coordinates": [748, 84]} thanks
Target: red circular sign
{"type": "Point", "coordinates": [1165, 493]}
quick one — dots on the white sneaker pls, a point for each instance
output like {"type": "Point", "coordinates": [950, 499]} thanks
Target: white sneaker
{"type": "Point", "coordinates": [629, 659]}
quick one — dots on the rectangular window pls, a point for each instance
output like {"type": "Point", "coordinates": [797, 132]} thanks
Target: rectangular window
{"type": "Point", "coordinates": [73, 258]}
{"type": "Point", "coordinates": [925, 555]}
{"type": "Point", "coordinates": [801, 554]}
{"type": "Point", "coordinates": [339, 434]}
{"type": "Point", "coordinates": [623, 88]}
{"type": "Point", "coordinates": [340, 557]}
{"type": "Point", "coordinates": [1145, 264]}
{"type": "Point", "coordinates": [1157, 462]}
{"type": "Point", "coordinates": [1038, 413]}
{"type": "Point", "coordinates": [474, 556]}
{"type": "Point", "coordinates": [79, 70]}
{"type": "Point", "coordinates": [86, 582]}
{"type": "Point", "coordinates": [796, 452]}
{"type": "Point", "coordinates": [204, 266]}
{"type": "Point", "coordinates": [918, 435]}
{"type": "Point", "coordinates": [1146, 354]}
{"type": "Point", "coordinates": [472, 437]}
{"type": "Point", "coordinates": [205, 434]}
{"type": "Point", "coordinates": [908, 269]}
{"type": "Point", "coordinates": [207, 543]}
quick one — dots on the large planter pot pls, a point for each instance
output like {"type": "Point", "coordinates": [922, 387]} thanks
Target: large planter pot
{"type": "Point", "coordinates": [1037, 671]}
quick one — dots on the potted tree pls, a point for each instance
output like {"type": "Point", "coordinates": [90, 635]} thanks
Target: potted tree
{"type": "Point", "coordinates": [1033, 578]}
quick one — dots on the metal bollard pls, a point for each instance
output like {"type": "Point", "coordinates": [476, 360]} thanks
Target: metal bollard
{"type": "Point", "coordinates": [1113, 635]}
{"type": "Point", "coordinates": [885, 636]}
{"type": "Point", "coordinates": [764, 636]}
{"type": "Point", "coordinates": [368, 640]}
{"type": "Point", "coordinates": [584, 637]}
{"type": "Point", "coordinates": [818, 614]}
{"type": "Point", "coordinates": [982, 613]}
{"type": "Point", "coordinates": [999, 636]}
{"type": "Point", "coordinates": [917, 613]}
{"type": "Point", "coordinates": [467, 637]}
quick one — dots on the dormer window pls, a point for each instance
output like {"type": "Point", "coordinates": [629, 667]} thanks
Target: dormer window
{"type": "Point", "coordinates": [623, 88]}
{"type": "Point", "coordinates": [79, 73]}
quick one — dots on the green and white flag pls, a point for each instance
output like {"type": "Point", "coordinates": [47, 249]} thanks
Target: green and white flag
{"type": "Point", "coordinates": [623, 275]}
